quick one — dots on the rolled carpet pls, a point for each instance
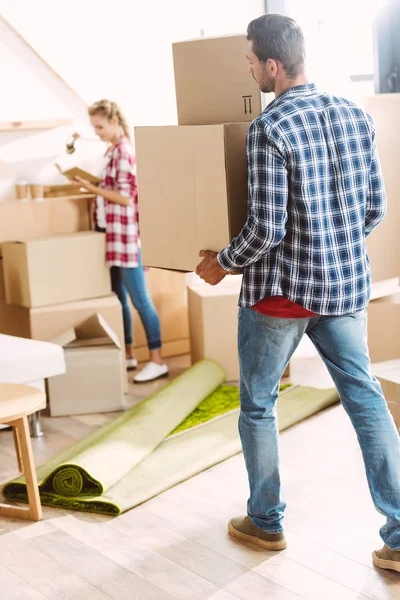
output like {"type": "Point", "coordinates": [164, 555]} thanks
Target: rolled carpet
{"type": "Point", "coordinates": [199, 444]}
{"type": "Point", "coordinates": [96, 463]}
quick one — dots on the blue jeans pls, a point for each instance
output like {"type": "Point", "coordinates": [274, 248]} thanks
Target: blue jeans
{"type": "Point", "coordinates": [132, 281]}
{"type": "Point", "coordinates": [266, 345]}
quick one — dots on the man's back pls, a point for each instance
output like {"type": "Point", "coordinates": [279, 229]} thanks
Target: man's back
{"type": "Point", "coordinates": [316, 189]}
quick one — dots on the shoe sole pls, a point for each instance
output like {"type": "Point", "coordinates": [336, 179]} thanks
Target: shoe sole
{"type": "Point", "coordinates": [131, 369]}
{"type": "Point", "coordinates": [154, 379]}
{"type": "Point", "coordinates": [392, 565]}
{"type": "Point", "coordinates": [251, 539]}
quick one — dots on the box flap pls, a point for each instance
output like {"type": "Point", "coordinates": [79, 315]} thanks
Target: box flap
{"type": "Point", "coordinates": [96, 327]}
{"type": "Point", "coordinates": [65, 338]}
{"type": "Point", "coordinates": [92, 343]}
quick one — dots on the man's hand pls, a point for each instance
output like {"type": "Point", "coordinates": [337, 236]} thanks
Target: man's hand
{"type": "Point", "coordinates": [209, 269]}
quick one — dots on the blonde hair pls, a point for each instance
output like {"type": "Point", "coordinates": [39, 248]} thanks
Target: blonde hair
{"type": "Point", "coordinates": [109, 110]}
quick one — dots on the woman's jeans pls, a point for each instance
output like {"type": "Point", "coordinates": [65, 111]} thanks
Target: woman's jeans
{"type": "Point", "coordinates": [266, 345]}
{"type": "Point", "coordinates": [132, 282]}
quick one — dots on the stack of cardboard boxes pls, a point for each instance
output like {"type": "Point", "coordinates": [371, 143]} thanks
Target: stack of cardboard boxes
{"type": "Point", "coordinates": [192, 177]}
{"type": "Point", "coordinates": [51, 289]}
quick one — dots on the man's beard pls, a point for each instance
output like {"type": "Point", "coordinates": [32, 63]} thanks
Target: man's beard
{"type": "Point", "coordinates": [267, 83]}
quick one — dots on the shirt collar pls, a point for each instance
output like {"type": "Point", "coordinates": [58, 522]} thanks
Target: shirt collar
{"type": "Point", "coordinates": [298, 90]}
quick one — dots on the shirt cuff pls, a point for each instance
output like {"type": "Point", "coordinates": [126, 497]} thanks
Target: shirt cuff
{"type": "Point", "coordinates": [224, 260]}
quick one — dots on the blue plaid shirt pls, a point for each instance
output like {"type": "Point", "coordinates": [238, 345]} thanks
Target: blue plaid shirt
{"type": "Point", "coordinates": [315, 193]}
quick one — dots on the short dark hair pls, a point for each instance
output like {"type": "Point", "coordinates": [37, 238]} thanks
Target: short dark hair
{"type": "Point", "coordinates": [280, 38]}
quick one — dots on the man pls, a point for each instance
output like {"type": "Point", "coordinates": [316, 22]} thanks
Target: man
{"type": "Point", "coordinates": [315, 194]}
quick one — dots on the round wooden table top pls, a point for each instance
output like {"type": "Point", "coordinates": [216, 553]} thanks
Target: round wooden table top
{"type": "Point", "coordinates": [18, 400]}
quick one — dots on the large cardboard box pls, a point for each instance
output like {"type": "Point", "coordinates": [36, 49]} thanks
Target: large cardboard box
{"type": "Point", "coordinates": [93, 380]}
{"type": "Point", "coordinates": [384, 243]}
{"type": "Point", "coordinates": [54, 270]}
{"type": "Point", "coordinates": [53, 216]}
{"type": "Point", "coordinates": [213, 83]}
{"type": "Point", "coordinates": [192, 191]}
{"type": "Point", "coordinates": [388, 374]}
{"type": "Point", "coordinates": [213, 323]}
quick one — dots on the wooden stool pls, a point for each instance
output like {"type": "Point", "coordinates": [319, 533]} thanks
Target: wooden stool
{"type": "Point", "coordinates": [16, 403]}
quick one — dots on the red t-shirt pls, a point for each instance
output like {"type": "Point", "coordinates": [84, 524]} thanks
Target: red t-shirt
{"type": "Point", "coordinates": [278, 306]}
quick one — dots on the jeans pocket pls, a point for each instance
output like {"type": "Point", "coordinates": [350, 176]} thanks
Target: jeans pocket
{"type": "Point", "coordinates": [359, 314]}
{"type": "Point", "coordinates": [275, 323]}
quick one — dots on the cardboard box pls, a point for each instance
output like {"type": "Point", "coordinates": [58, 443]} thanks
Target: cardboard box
{"type": "Point", "coordinates": [383, 328]}
{"type": "Point", "coordinates": [192, 191]}
{"type": "Point", "coordinates": [213, 323]}
{"type": "Point", "coordinates": [55, 270]}
{"type": "Point", "coordinates": [387, 287]}
{"type": "Point", "coordinates": [213, 83]}
{"type": "Point", "coordinates": [53, 216]}
{"type": "Point", "coordinates": [93, 380]}
{"type": "Point", "coordinates": [384, 242]}
{"type": "Point", "coordinates": [388, 374]}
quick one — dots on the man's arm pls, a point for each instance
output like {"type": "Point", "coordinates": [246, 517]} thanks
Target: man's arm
{"type": "Point", "coordinates": [376, 198]}
{"type": "Point", "coordinates": [267, 209]}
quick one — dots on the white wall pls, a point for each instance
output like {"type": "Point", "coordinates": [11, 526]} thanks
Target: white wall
{"type": "Point", "coordinates": [121, 49]}
{"type": "Point", "coordinates": [339, 41]}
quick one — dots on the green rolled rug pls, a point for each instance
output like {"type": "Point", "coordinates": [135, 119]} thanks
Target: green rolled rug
{"type": "Point", "coordinates": [197, 444]}
{"type": "Point", "coordinates": [96, 463]}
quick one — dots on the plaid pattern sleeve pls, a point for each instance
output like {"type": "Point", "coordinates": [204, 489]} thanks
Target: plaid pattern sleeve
{"type": "Point", "coordinates": [122, 223]}
{"type": "Point", "coordinates": [267, 202]}
{"type": "Point", "coordinates": [315, 191]}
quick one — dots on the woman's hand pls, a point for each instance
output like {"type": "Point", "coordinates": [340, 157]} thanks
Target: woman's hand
{"type": "Point", "coordinates": [79, 182]}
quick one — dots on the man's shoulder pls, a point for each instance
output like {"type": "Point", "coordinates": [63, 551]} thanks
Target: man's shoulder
{"type": "Point", "coordinates": [287, 109]}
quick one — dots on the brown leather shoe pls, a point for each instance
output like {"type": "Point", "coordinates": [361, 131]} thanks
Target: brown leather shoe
{"type": "Point", "coordinates": [244, 530]}
{"type": "Point", "coordinates": [386, 558]}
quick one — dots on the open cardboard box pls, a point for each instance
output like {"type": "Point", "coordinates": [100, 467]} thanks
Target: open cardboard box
{"type": "Point", "coordinates": [93, 382]}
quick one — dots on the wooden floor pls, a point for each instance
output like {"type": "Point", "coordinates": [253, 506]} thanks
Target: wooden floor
{"type": "Point", "coordinates": [176, 545]}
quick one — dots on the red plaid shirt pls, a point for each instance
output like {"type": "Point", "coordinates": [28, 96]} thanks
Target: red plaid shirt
{"type": "Point", "coordinates": [122, 222]}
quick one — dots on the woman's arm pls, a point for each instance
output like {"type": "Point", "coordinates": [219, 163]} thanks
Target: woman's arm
{"type": "Point", "coordinates": [110, 195]}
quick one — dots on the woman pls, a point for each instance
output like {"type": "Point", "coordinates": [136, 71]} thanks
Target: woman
{"type": "Point", "coordinates": [116, 213]}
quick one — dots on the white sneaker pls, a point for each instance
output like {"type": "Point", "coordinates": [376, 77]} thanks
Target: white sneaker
{"type": "Point", "coordinates": [150, 372]}
{"type": "Point", "coordinates": [131, 364]}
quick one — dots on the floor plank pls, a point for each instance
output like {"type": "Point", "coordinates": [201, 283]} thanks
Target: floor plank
{"type": "Point", "coordinates": [17, 589]}
{"type": "Point", "coordinates": [128, 553]}
{"type": "Point", "coordinates": [96, 569]}
{"type": "Point", "coordinates": [41, 572]}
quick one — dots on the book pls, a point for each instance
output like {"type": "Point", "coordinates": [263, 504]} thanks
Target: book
{"type": "Point", "coordinates": [77, 172]}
